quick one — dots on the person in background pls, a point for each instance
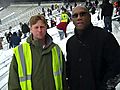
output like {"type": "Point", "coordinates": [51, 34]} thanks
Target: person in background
{"type": "Point", "coordinates": [53, 22]}
{"type": "Point", "coordinates": [96, 3]}
{"type": "Point", "coordinates": [15, 40]}
{"type": "Point", "coordinates": [19, 33]}
{"type": "Point", "coordinates": [62, 26]}
{"type": "Point", "coordinates": [93, 9]}
{"type": "Point", "coordinates": [75, 4]}
{"type": "Point", "coordinates": [107, 12]}
{"type": "Point", "coordinates": [25, 29]}
{"type": "Point", "coordinates": [93, 55]}
{"type": "Point", "coordinates": [1, 46]}
{"type": "Point", "coordinates": [8, 37]}
{"type": "Point", "coordinates": [38, 63]}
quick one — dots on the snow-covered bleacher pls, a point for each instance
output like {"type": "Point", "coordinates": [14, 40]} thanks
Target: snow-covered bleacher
{"type": "Point", "coordinates": [9, 15]}
{"type": "Point", "coordinates": [20, 13]}
{"type": "Point", "coordinates": [12, 11]}
{"type": "Point", "coordinates": [5, 60]}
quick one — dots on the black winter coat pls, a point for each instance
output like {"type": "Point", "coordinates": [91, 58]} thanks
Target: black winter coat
{"type": "Point", "coordinates": [107, 9]}
{"type": "Point", "coordinates": [25, 28]}
{"type": "Point", "coordinates": [92, 59]}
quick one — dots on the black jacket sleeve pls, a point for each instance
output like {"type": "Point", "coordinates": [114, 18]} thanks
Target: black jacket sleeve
{"type": "Point", "coordinates": [111, 55]}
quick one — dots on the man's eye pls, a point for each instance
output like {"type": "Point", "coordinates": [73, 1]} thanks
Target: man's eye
{"type": "Point", "coordinates": [42, 26]}
{"type": "Point", "coordinates": [81, 14]}
{"type": "Point", "coordinates": [36, 27]}
{"type": "Point", "coordinates": [75, 15]}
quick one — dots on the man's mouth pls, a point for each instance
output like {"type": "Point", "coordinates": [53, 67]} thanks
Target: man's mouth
{"type": "Point", "coordinates": [79, 23]}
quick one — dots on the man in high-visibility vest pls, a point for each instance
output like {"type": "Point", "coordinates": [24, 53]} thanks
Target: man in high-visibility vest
{"type": "Point", "coordinates": [62, 26]}
{"type": "Point", "coordinates": [38, 63]}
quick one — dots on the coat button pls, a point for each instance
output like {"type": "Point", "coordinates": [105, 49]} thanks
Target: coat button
{"type": "Point", "coordinates": [80, 76]}
{"type": "Point", "coordinates": [80, 59]}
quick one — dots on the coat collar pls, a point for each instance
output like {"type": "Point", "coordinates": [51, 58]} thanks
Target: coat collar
{"type": "Point", "coordinates": [81, 34]}
{"type": "Point", "coordinates": [37, 43]}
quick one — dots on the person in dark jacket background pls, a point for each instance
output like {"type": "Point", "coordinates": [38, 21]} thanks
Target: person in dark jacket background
{"type": "Point", "coordinates": [8, 36]}
{"type": "Point", "coordinates": [93, 55]}
{"type": "Point", "coordinates": [107, 12]}
{"type": "Point", "coordinates": [15, 40]}
{"type": "Point", "coordinates": [25, 29]}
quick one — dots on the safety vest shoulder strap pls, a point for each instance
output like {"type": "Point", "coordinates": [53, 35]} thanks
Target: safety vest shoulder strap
{"type": "Point", "coordinates": [57, 67]}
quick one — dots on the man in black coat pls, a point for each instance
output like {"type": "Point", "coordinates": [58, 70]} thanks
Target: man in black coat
{"type": "Point", "coordinates": [93, 55]}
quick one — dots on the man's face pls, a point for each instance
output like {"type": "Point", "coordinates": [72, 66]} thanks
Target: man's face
{"type": "Point", "coordinates": [39, 30]}
{"type": "Point", "coordinates": [81, 17]}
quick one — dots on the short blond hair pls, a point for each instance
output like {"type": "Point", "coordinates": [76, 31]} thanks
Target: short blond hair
{"type": "Point", "coordinates": [34, 19]}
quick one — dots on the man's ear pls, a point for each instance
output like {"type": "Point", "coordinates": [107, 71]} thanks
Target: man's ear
{"type": "Point", "coordinates": [30, 29]}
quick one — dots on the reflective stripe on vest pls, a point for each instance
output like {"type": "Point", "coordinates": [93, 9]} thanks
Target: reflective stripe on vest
{"type": "Point", "coordinates": [57, 67]}
{"type": "Point", "coordinates": [24, 60]}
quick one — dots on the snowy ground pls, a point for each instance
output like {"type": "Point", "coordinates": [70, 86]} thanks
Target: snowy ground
{"type": "Point", "coordinates": [6, 54]}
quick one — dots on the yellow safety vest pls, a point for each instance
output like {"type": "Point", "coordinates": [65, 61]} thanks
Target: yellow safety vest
{"type": "Point", "coordinates": [24, 61]}
{"type": "Point", "coordinates": [64, 17]}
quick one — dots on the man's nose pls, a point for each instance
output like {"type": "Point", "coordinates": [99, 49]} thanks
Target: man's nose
{"type": "Point", "coordinates": [39, 29]}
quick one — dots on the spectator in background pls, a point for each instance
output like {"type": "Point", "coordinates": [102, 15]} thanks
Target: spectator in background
{"type": "Point", "coordinates": [93, 9]}
{"type": "Point", "coordinates": [75, 4]}
{"type": "Point", "coordinates": [1, 39]}
{"type": "Point", "coordinates": [10, 28]}
{"type": "Point", "coordinates": [50, 12]}
{"type": "Point", "coordinates": [52, 7]}
{"type": "Point", "coordinates": [93, 55]}
{"type": "Point", "coordinates": [89, 5]}
{"type": "Point", "coordinates": [25, 29]}
{"type": "Point", "coordinates": [43, 9]}
{"type": "Point", "coordinates": [96, 3]}
{"type": "Point", "coordinates": [107, 12]}
{"type": "Point", "coordinates": [53, 23]}
{"type": "Point", "coordinates": [19, 33]}
{"type": "Point", "coordinates": [62, 26]}
{"type": "Point", "coordinates": [70, 7]}
{"type": "Point", "coordinates": [116, 8]}
{"type": "Point", "coordinates": [56, 6]}
{"type": "Point", "coordinates": [8, 37]}
{"type": "Point", "coordinates": [15, 40]}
